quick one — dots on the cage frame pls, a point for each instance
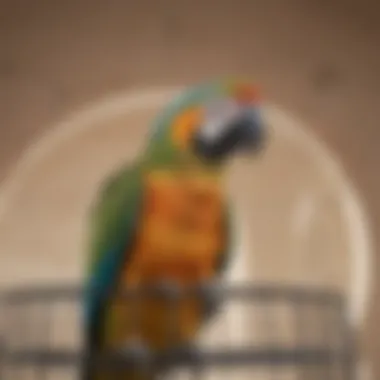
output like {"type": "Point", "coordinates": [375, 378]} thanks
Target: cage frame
{"type": "Point", "coordinates": [301, 355]}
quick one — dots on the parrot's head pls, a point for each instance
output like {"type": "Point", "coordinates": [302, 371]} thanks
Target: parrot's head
{"type": "Point", "coordinates": [211, 123]}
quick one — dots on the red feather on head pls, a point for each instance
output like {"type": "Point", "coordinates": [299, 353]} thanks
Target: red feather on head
{"type": "Point", "coordinates": [246, 93]}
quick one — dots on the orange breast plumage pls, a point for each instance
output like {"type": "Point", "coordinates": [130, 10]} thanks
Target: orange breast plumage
{"type": "Point", "coordinates": [180, 232]}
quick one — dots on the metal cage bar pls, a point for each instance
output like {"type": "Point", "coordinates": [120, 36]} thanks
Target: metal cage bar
{"type": "Point", "coordinates": [25, 340]}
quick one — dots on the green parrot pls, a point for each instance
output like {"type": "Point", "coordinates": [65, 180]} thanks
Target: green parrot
{"type": "Point", "coordinates": [163, 221]}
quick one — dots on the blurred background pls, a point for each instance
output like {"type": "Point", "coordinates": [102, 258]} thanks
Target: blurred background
{"type": "Point", "coordinates": [311, 212]}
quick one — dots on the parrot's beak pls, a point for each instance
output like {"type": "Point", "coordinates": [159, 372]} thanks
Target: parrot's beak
{"type": "Point", "coordinates": [244, 135]}
{"type": "Point", "coordinates": [249, 135]}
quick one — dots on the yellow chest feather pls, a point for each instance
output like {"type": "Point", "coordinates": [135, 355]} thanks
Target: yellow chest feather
{"type": "Point", "coordinates": [180, 233]}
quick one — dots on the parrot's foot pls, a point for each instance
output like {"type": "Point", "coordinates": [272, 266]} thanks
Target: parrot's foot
{"type": "Point", "coordinates": [136, 354]}
{"type": "Point", "coordinates": [211, 296]}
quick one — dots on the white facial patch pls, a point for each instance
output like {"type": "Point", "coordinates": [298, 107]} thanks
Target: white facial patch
{"type": "Point", "coordinates": [219, 115]}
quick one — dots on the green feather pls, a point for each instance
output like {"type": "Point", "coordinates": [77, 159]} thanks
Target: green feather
{"type": "Point", "coordinates": [114, 212]}
{"type": "Point", "coordinates": [161, 149]}
{"type": "Point", "coordinates": [112, 232]}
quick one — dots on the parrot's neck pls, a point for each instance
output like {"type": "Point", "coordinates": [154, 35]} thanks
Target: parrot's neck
{"type": "Point", "coordinates": [170, 159]}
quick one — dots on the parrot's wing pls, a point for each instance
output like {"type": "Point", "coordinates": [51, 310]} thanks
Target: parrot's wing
{"type": "Point", "coordinates": [112, 234]}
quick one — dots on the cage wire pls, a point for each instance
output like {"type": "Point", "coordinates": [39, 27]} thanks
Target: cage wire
{"type": "Point", "coordinates": [286, 333]}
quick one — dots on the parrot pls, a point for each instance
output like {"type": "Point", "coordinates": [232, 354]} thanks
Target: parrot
{"type": "Point", "coordinates": [163, 220]}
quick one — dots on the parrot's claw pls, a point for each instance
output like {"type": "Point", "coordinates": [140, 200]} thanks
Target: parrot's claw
{"type": "Point", "coordinates": [211, 296]}
{"type": "Point", "coordinates": [136, 353]}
